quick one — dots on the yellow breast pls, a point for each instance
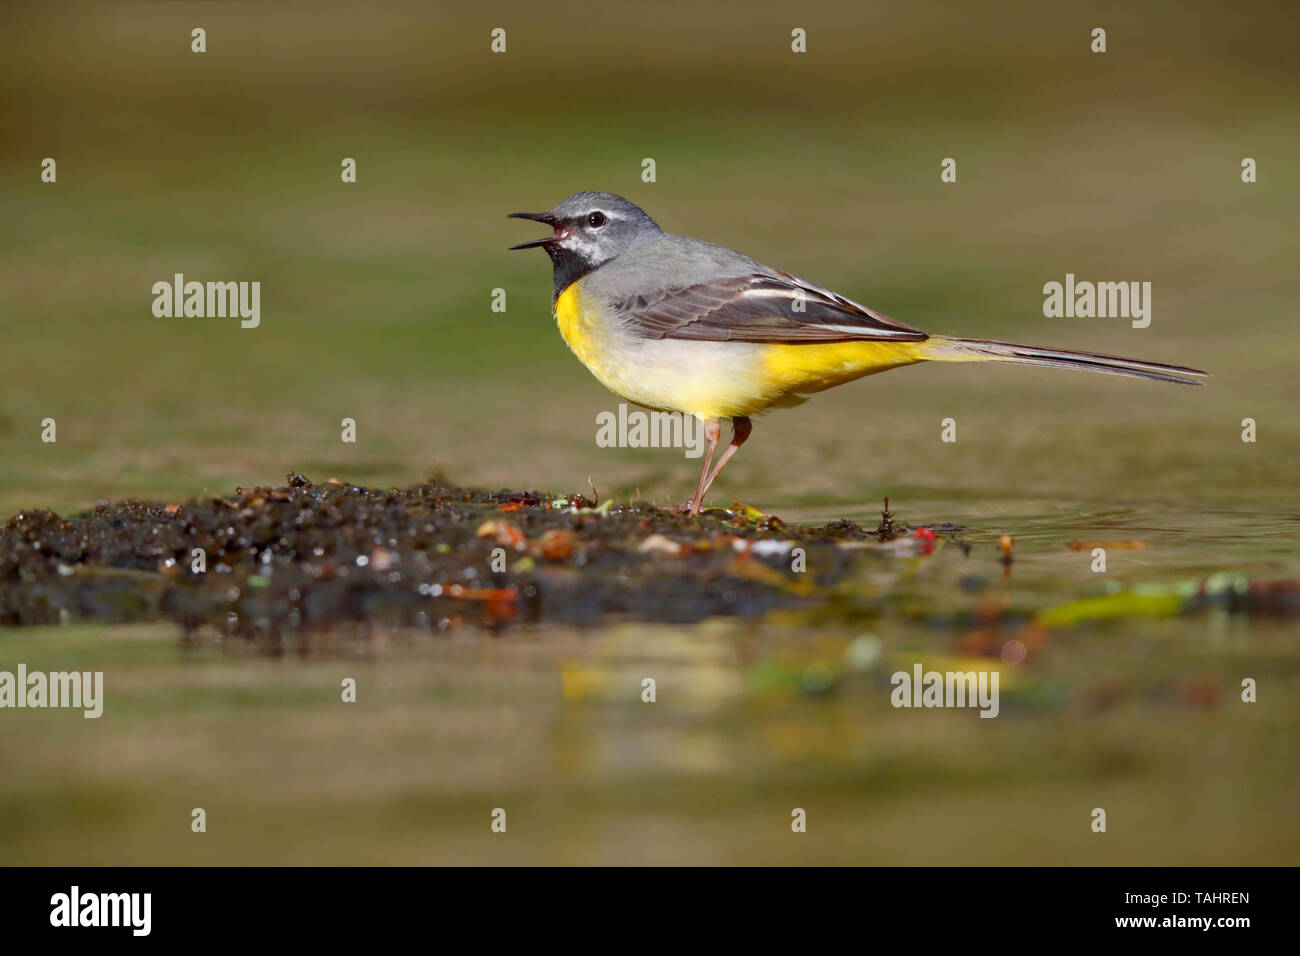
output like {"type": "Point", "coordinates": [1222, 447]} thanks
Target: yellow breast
{"type": "Point", "coordinates": [581, 332]}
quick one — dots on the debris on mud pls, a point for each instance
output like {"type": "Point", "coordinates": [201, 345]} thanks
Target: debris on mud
{"type": "Point", "coordinates": [265, 561]}
{"type": "Point", "coordinates": [307, 558]}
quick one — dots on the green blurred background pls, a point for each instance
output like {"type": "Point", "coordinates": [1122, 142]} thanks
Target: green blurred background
{"type": "Point", "coordinates": [376, 306]}
{"type": "Point", "coordinates": [376, 296]}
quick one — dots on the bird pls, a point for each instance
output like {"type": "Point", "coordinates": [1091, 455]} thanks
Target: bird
{"type": "Point", "coordinates": [677, 324]}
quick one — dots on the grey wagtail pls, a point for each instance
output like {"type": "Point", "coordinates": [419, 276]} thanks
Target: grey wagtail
{"type": "Point", "coordinates": [680, 325]}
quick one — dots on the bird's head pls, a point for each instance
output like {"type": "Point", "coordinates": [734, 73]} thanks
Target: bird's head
{"type": "Point", "coordinates": [590, 229]}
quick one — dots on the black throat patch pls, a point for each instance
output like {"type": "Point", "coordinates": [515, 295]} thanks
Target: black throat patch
{"type": "Point", "coordinates": [569, 268]}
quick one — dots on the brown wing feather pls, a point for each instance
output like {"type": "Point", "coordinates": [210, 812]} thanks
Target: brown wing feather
{"type": "Point", "coordinates": [760, 308]}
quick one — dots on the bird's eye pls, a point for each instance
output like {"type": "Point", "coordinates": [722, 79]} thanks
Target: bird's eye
{"type": "Point", "coordinates": [596, 220]}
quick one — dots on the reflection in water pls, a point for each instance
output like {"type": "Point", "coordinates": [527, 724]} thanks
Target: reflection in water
{"type": "Point", "coordinates": [635, 742]}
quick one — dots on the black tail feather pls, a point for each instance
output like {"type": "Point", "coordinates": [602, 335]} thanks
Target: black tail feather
{"type": "Point", "coordinates": [974, 349]}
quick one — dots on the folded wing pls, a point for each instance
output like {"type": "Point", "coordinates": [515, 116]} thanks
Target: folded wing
{"type": "Point", "coordinates": [760, 308]}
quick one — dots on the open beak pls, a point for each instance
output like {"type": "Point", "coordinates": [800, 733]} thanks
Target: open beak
{"type": "Point", "coordinates": [544, 217]}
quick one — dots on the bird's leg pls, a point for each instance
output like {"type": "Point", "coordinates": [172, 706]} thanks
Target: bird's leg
{"type": "Point", "coordinates": [740, 427]}
{"type": "Point", "coordinates": [712, 432]}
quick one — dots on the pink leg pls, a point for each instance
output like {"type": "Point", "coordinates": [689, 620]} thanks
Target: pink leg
{"type": "Point", "coordinates": [712, 432]}
{"type": "Point", "coordinates": [741, 427]}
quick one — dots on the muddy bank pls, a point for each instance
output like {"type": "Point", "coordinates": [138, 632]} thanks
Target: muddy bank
{"type": "Point", "coordinates": [308, 556]}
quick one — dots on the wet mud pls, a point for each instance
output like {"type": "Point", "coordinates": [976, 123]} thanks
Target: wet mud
{"type": "Point", "coordinates": [304, 555]}
{"type": "Point", "coordinates": [309, 558]}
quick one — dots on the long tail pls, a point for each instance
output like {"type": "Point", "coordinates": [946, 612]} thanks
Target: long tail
{"type": "Point", "coordinates": [942, 349]}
